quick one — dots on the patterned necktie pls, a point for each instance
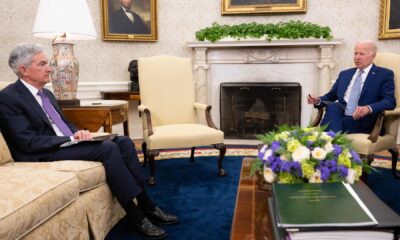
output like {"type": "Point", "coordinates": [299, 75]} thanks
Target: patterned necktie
{"type": "Point", "coordinates": [354, 95]}
{"type": "Point", "coordinates": [53, 115]}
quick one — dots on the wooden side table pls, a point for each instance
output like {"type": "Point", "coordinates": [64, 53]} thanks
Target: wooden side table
{"type": "Point", "coordinates": [127, 95]}
{"type": "Point", "coordinates": [92, 115]}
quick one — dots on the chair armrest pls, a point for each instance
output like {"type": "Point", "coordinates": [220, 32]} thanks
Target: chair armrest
{"type": "Point", "coordinates": [207, 109]}
{"type": "Point", "coordinates": [394, 112]}
{"type": "Point", "coordinates": [200, 106]}
{"type": "Point", "coordinates": [318, 118]}
{"type": "Point", "coordinates": [144, 110]}
{"type": "Point", "coordinates": [373, 137]}
{"type": "Point", "coordinates": [141, 108]}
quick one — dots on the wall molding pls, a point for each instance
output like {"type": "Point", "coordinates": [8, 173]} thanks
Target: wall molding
{"type": "Point", "coordinates": [91, 90]}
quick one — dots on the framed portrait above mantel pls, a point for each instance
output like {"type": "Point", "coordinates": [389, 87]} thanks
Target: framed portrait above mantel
{"type": "Point", "coordinates": [129, 20]}
{"type": "Point", "coordinates": [389, 21]}
{"type": "Point", "coordinates": [231, 7]}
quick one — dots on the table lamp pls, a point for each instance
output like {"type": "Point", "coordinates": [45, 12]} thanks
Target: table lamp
{"type": "Point", "coordinates": [63, 21]}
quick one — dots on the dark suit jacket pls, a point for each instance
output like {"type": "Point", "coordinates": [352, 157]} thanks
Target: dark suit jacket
{"type": "Point", "coordinates": [25, 126]}
{"type": "Point", "coordinates": [120, 23]}
{"type": "Point", "coordinates": [377, 92]}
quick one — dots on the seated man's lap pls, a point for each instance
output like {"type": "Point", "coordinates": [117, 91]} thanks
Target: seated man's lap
{"type": "Point", "coordinates": [336, 120]}
{"type": "Point", "coordinates": [333, 117]}
{"type": "Point", "coordinates": [350, 125]}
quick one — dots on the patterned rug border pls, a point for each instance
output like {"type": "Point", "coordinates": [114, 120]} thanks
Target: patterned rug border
{"type": "Point", "coordinates": [206, 151]}
{"type": "Point", "coordinates": [241, 150]}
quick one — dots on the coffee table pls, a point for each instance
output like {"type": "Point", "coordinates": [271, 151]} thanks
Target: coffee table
{"type": "Point", "coordinates": [251, 217]}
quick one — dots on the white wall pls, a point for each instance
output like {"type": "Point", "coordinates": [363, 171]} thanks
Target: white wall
{"type": "Point", "coordinates": [178, 20]}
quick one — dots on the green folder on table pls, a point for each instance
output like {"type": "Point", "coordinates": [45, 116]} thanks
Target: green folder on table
{"type": "Point", "coordinates": [319, 205]}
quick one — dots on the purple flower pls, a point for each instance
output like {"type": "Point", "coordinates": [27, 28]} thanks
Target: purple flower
{"type": "Point", "coordinates": [343, 171]}
{"type": "Point", "coordinates": [337, 149]}
{"type": "Point", "coordinates": [276, 163]}
{"type": "Point", "coordinates": [332, 165]}
{"type": "Point", "coordinates": [331, 133]}
{"type": "Point", "coordinates": [325, 173]}
{"type": "Point", "coordinates": [355, 156]}
{"type": "Point", "coordinates": [297, 168]}
{"type": "Point", "coordinates": [275, 146]}
{"type": "Point", "coordinates": [260, 155]}
{"type": "Point", "coordinates": [275, 166]}
{"type": "Point", "coordinates": [286, 166]}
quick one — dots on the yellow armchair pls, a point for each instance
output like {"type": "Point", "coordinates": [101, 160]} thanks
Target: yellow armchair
{"type": "Point", "coordinates": [170, 114]}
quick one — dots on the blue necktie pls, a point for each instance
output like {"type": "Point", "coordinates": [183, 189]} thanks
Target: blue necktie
{"type": "Point", "coordinates": [354, 95]}
{"type": "Point", "coordinates": [53, 115]}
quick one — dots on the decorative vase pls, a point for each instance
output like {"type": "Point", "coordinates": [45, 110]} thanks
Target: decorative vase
{"type": "Point", "coordinates": [65, 73]}
{"type": "Point", "coordinates": [261, 183]}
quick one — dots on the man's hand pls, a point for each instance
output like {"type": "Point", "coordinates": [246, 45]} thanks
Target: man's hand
{"type": "Point", "coordinates": [361, 111]}
{"type": "Point", "coordinates": [312, 99]}
{"type": "Point", "coordinates": [82, 135]}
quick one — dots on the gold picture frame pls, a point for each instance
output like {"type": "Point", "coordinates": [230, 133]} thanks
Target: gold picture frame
{"type": "Point", "coordinates": [231, 7]}
{"type": "Point", "coordinates": [136, 22]}
{"type": "Point", "coordinates": [389, 24]}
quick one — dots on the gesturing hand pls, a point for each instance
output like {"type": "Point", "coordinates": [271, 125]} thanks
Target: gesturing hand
{"type": "Point", "coordinates": [312, 99]}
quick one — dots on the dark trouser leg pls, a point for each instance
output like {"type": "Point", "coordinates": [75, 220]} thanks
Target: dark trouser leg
{"type": "Point", "coordinates": [119, 177]}
{"type": "Point", "coordinates": [144, 201]}
{"type": "Point", "coordinates": [129, 156]}
{"type": "Point", "coordinates": [350, 125]}
{"type": "Point", "coordinates": [333, 117]}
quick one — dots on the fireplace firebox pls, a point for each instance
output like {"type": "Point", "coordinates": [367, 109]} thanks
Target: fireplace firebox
{"type": "Point", "coordinates": [249, 109]}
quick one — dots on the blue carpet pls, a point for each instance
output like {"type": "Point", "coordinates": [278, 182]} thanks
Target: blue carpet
{"type": "Point", "coordinates": [205, 202]}
{"type": "Point", "coordinates": [386, 187]}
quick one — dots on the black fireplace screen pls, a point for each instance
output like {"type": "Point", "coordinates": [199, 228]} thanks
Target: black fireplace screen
{"type": "Point", "coordinates": [248, 109]}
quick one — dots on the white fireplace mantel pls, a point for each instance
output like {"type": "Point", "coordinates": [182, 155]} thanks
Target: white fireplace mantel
{"type": "Point", "coordinates": [262, 51]}
{"type": "Point", "coordinates": [307, 61]}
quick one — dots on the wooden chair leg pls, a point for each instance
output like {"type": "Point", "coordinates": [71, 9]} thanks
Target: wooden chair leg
{"type": "Point", "coordinates": [152, 164]}
{"type": "Point", "coordinates": [144, 150]}
{"type": "Point", "coordinates": [395, 156]}
{"type": "Point", "coordinates": [192, 154]}
{"type": "Point", "coordinates": [370, 159]}
{"type": "Point", "coordinates": [222, 150]}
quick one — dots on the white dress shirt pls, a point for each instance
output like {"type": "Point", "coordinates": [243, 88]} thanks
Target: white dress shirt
{"type": "Point", "coordinates": [34, 92]}
{"type": "Point", "coordinates": [363, 78]}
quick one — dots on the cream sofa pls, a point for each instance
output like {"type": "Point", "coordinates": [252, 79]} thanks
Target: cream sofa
{"type": "Point", "coordinates": [54, 200]}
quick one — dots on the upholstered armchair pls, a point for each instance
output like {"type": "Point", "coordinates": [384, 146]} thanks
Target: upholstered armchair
{"type": "Point", "coordinates": [170, 116]}
{"type": "Point", "coordinates": [368, 144]}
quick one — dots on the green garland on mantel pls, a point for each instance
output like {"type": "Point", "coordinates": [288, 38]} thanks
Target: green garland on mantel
{"type": "Point", "coordinates": [268, 31]}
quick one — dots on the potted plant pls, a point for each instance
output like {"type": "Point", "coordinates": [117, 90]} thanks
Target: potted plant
{"type": "Point", "coordinates": [267, 31]}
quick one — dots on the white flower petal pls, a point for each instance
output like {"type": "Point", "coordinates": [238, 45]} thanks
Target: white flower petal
{"type": "Point", "coordinates": [318, 153]}
{"type": "Point", "coordinates": [269, 175]}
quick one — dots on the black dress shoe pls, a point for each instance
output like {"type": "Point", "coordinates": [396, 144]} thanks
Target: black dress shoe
{"type": "Point", "coordinates": [160, 217]}
{"type": "Point", "coordinates": [148, 230]}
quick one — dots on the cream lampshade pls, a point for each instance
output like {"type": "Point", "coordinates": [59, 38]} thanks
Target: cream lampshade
{"type": "Point", "coordinates": [63, 21]}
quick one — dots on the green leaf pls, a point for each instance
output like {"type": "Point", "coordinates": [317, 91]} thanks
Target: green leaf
{"type": "Point", "coordinates": [290, 30]}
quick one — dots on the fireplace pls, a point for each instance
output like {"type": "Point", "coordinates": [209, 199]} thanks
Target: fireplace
{"type": "Point", "coordinates": [249, 109]}
{"type": "Point", "coordinates": [307, 62]}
